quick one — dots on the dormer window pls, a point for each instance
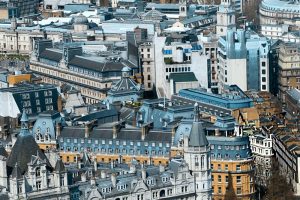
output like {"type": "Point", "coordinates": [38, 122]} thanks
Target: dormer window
{"type": "Point", "coordinates": [150, 181]}
{"type": "Point", "coordinates": [165, 179]}
{"type": "Point", "coordinates": [106, 190]}
{"type": "Point", "coordinates": [37, 137]}
{"type": "Point", "coordinates": [122, 187]}
{"type": "Point", "coordinates": [47, 137]}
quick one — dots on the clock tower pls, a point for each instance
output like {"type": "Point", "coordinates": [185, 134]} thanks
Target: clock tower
{"type": "Point", "coordinates": [183, 9]}
{"type": "Point", "coordinates": [225, 18]}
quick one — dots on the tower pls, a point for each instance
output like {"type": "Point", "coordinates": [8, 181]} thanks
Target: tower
{"type": "Point", "coordinates": [24, 124]}
{"type": "Point", "coordinates": [182, 9]}
{"type": "Point", "coordinates": [197, 155]}
{"type": "Point", "coordinates": [225, 18]}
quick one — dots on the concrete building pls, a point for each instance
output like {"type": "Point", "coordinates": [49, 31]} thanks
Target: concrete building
{"type": "Point", "coordinates": [146, 51]}
{"type": "Point", "coordinates": [248, 55]}
{"type": "Point", "coordinates": [181, 53]}
{"type": "Point", "coordinates": [210, 47]}
{"type": "Point", "coordinates": [289, 68]}
{"type": "Point", "coordinates": [280, 12]}
{"type": "Point", "coordinates": [233, 102]}
{"type": "Point", "coordinates": [32, 98]}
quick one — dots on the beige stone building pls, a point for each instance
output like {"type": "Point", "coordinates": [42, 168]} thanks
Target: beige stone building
{"type": "Point", "coordinates": [289, 68]}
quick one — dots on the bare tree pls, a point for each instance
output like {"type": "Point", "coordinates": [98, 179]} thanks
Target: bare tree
{"type": "Point", "coordinates": [251, 11]}
{"type": "Point", "coordinates": [277, 186]}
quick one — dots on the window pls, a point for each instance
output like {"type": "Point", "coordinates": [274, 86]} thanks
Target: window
{"type": "Point", "coordinates": [239, 190]}
{"type": "Point", "coordinates": [219, 190]}
{"type": "Point", "coordinates": [226, 167]}
{"type": "Point", "coordinates": [140, 197]}
{"type": "Point", "coordinates": [212, 178]}
{"type": "Point", "coordinates": [263, 79]}
{"type": "Point", "coordinates": [263, 71]}
{"type": "Point", "coordinates": [263, 64]}
{"type": "Point", "coordinates": [238, 167]}
{"type": "Point", "coordinates": [38, 185]}
{"type": "Point", "coordinates": [219, 178]}
{"type": "Point", "coordinates": [226, 179]}
{"type": "Point", "coordinates": [219, 166]}
{"type": "Point", "coordinates": [149, 77]}
{"type": "Point", "coordinates": [38, 171]}
{"type": "Point", "coordinates": [238, 179]}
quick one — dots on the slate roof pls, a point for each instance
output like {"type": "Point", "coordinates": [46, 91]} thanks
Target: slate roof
{"type": "Point", "coordinates": [88, 63]}
{"type": "Point", "coordinates": [22, 152]}
{"type": "Point", "coordinates": [51, 55]}
{"type": "Point", "coordinates": [125, 85]}
{"type": "Point", "coordinates": [183, 77]}
{"type": "Point", "coordinates": [197, 135]}
{"type": "Point", "coordinates": [3, 152]}
{"type": "Point", "coordinates": [59, 166]}
{"type": "Point", "coordinates": [124, 134]}
{"type": "Point", "coordinates": [16, 173]}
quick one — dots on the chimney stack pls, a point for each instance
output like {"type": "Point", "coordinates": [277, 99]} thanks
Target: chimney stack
{"type": "Point", "coordinates": [58, 129]}
{"type": "Point", "coordinates": [95, 164]}
{"type": "Point", "coordinates": [145, 129]}
{"type": "Point", "coordinates": [103, 174]}
{"type": "Point", "coordinates": [83, 177]}
{"type": "Point", "coordinates": [144, 174]}
{"type": "Point", "coordinates": [161, 168]}
{"type": "Point", "coordinates": [114, 179]}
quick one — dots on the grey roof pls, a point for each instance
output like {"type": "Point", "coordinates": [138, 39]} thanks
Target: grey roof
{"type": "Point", "coordinates": [22, 152]}
{"type": "Point", "coordinates": [24, 117]}
{"type": "Point", "coordinates": [183, 77]}
{"type": "Point", "coordinates": [86, 160]}
{"type": "Point", "coordinates": [100, 66]}
{"type": "Point", "coordinates": [294, 93]}
{"type": "Point", "coordinates": [51, 55]}
{"type": "Point", "coordinates": [126, 84]}
{"type": "Point", "coordinates": [16, 173]}
{"type": "Point", "coordinates": [3, 152]}
{"type": "Point", "coordinates": [59, 166]}
{"type": "Point", "coordinates": [124, 134]}
{"type": "Point", "coordinates": [197, 136]}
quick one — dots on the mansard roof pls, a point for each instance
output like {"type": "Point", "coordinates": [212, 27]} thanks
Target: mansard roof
{"type": "Point", "coordinates": [197, 136]}
{"type": "Point", "coordinates": [3, 152]}
{"type": "Point", "coordinates": [22, 152]}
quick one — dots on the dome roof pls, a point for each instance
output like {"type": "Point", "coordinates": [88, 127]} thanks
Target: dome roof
{"type": "Point", "coordinates": [80, 19]}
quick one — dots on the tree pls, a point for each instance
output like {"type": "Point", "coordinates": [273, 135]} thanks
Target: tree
{"type": "Point", "coordinates": [251, 11]}
{"type": "Point", "coordinates": [277, 186]}
{"type": "Point", "coordinates": [230, 193]}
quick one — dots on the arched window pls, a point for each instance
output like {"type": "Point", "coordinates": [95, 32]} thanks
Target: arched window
{"type": "Point", "coordinates": [38, 171]}
{"type": "Point", "coordinates": [196, 161]}
{"type": "Point", "coordinates": [162, 193]}
{"type": "Point", "coordinates": [46, 137]}
{"type": "Point", "coordinates": [202, 161]}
